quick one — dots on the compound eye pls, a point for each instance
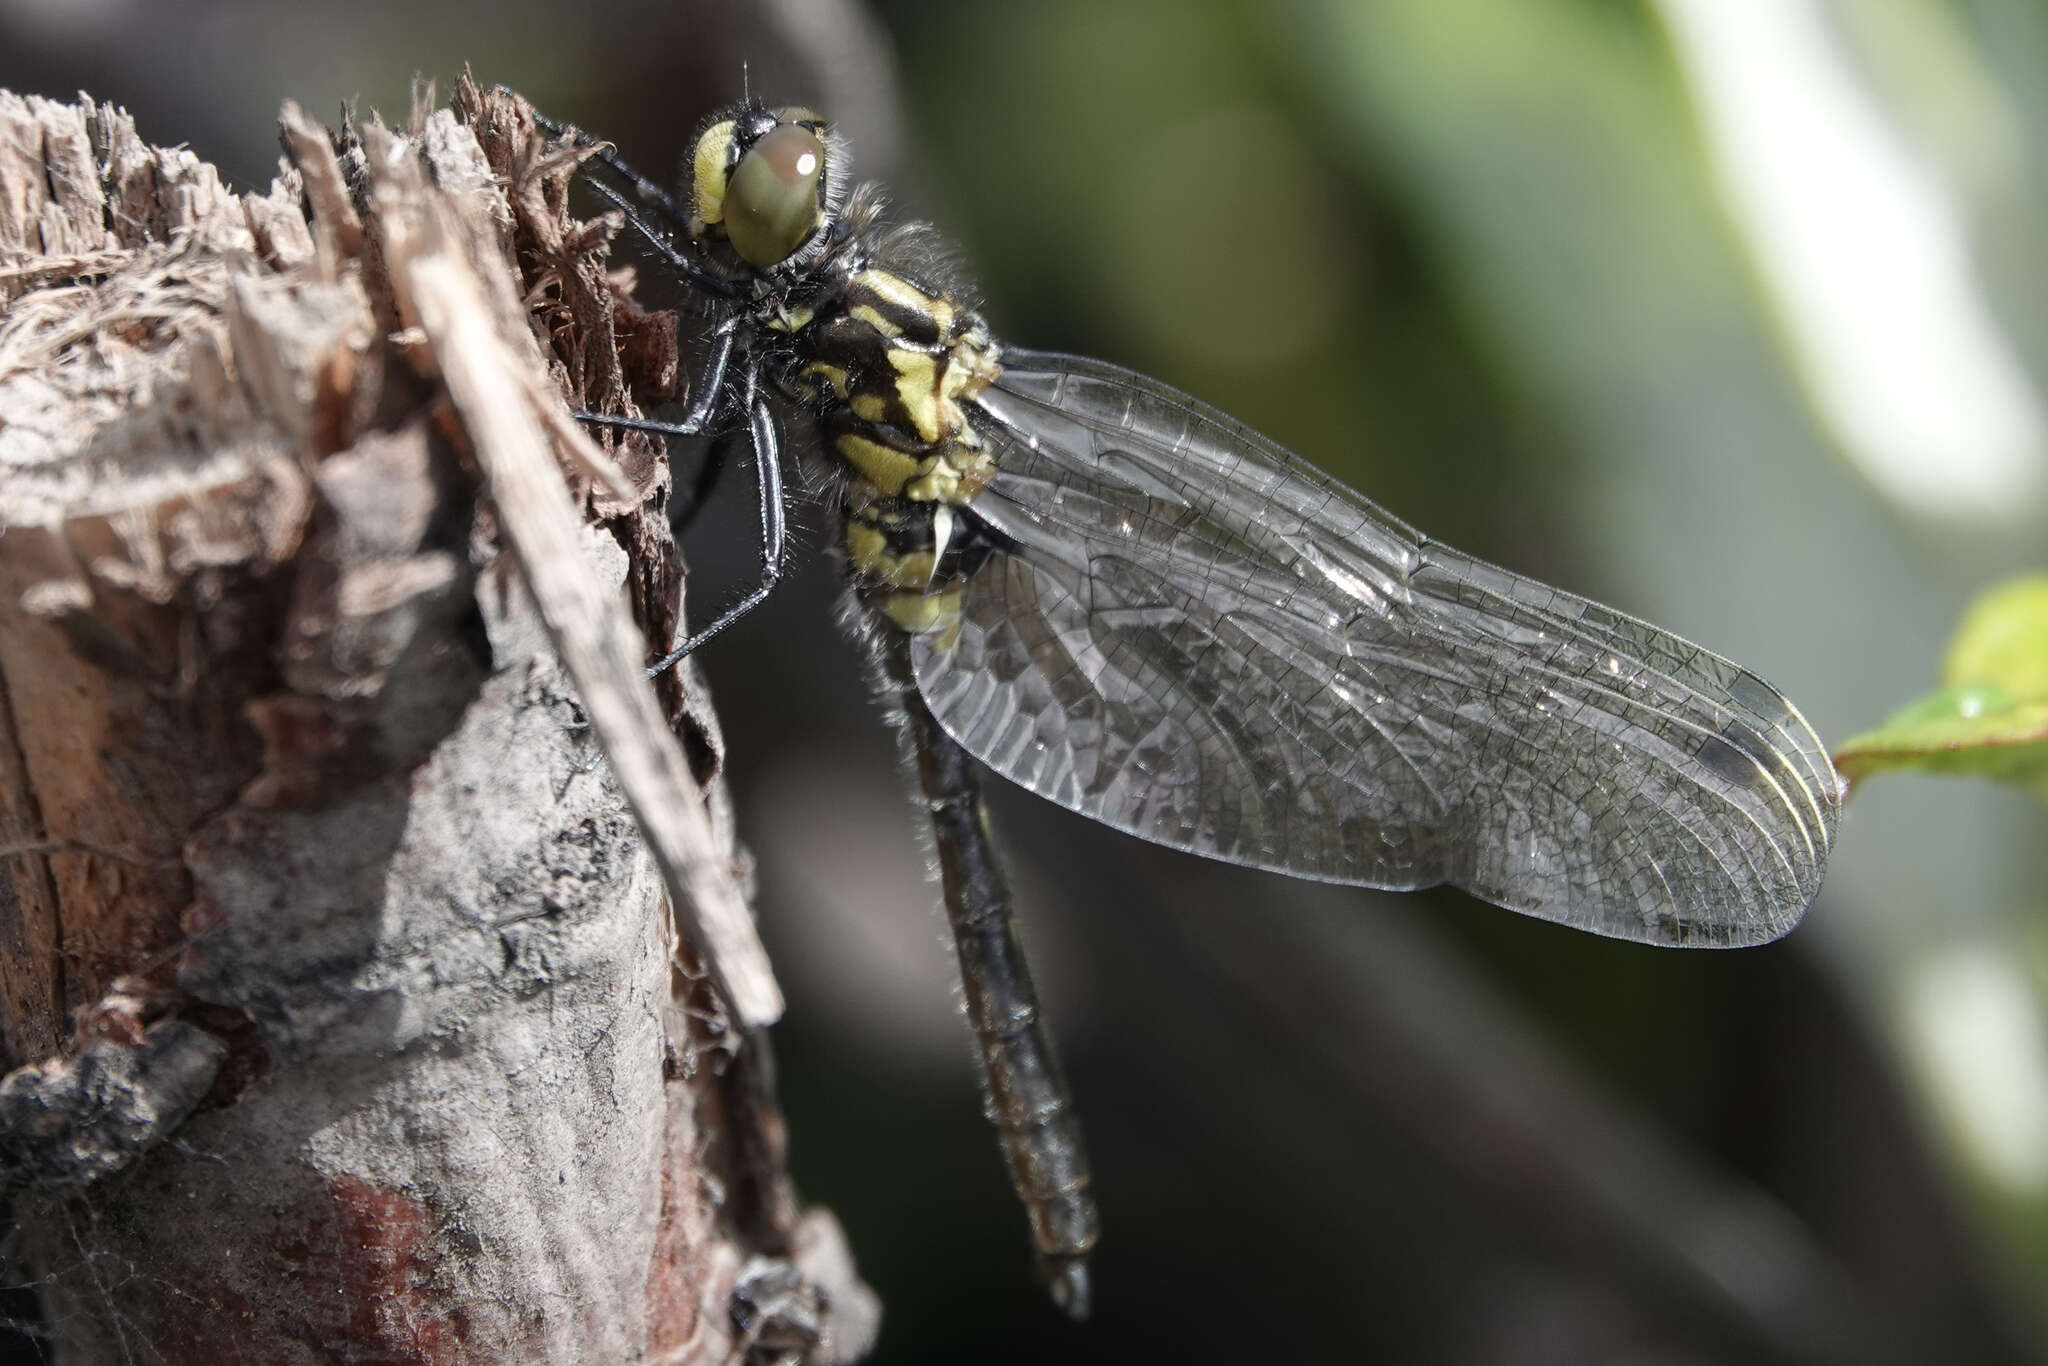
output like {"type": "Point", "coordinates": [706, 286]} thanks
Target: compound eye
{"type": "Point", "coordinates": [771, 205]}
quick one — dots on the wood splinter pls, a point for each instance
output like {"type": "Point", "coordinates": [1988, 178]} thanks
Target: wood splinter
{"type": "Point", "coordinates": [377, 975]}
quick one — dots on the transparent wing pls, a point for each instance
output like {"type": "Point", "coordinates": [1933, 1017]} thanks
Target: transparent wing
{"type": "Point", "coordinates": [1194, 637]}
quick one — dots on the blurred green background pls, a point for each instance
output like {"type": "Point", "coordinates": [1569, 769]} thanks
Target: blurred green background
{"type": "Point", "coordinates": [1727, 312]}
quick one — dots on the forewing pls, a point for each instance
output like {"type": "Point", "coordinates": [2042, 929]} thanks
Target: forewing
{"type": "Point", "coordinates": [1197, 638]}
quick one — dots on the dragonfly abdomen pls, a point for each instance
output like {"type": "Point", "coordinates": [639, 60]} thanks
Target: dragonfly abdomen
{"type": "Point", "coordinates": [1028, 1099]}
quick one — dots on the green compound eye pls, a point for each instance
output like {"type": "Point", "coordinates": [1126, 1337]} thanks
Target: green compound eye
{"type": "Point", "coordinates": [771, 205]}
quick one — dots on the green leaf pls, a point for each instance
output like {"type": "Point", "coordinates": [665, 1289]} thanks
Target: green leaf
{"type": "Point", "coordinates": [1990, 720]}
{"type": "Point", "coordinates": [2003, 640]}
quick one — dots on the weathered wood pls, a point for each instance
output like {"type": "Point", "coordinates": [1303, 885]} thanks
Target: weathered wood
{"type": "Point", "coordinates": [321, 751]}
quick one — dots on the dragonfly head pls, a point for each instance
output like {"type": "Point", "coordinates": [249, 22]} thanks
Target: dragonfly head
{"type": "Point", "coordinates": [765, 184]}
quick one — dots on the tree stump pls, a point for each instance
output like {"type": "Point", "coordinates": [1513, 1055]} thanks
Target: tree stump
{"type": "Point", "coordinates": [378, 979]}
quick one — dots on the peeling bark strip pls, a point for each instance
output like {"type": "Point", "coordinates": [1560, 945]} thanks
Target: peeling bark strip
{"type": "Point", "coordinates": [318, 807]}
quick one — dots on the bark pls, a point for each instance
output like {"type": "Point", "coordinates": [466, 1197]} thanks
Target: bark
{"type": "Point", "coordinates": [378, 980]}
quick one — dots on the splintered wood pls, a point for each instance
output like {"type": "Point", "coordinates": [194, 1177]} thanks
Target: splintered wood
{"type": "Point", "coordinates": [343, 839]}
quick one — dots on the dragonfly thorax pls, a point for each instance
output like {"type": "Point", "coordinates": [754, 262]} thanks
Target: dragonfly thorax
{"type": "Point", "coordinates": [891, 368]}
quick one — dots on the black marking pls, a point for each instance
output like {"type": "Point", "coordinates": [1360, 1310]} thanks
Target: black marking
{"type": "Point", "coordinates": [1738, 754]}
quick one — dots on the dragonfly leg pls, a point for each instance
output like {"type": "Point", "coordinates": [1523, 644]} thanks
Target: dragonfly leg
{"type": "Point", "coordinates": [692, 273]}
{"type": "Point", "coordinates": [647, 189]}
{"type": "Point", "coordinates": [774, 534]}
{"type": "Point", "coordinates": [1027, 1091]}
{"type": "Point", "coordinates": [709, 398]}
{"type": "Point", "coordinates": [649, 193]}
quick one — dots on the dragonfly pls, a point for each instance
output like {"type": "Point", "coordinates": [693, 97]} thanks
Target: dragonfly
{"type": "Point", "coordinates": [1124, 601]}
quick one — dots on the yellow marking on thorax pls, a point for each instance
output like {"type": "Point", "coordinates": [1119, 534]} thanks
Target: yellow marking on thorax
{"type": "Point", "coordinates": [972, 366]}
{"type": "Point", "coordinates": [952, 473]}
{"type": "Point", "coordinates": [878, 561]}
{"type": "Point", "coordinates": [941, 483]}
{"type": "Point", "coordinates": [923, 614]}
{"type": "Point", "coordinates": [888, 470]}
{"type": "Point", "coordinates": [868, 314]}
{"type": "Point", "coordinates": [834, 375]}
{"type": "Point", "coordinates": [917, 389]}
{"type": "Point", "coordinates": [866, 546]}
{"type": "Point", "coordinates": [906, 296]}
{"type": "Point", "coordinates": [910, 573]}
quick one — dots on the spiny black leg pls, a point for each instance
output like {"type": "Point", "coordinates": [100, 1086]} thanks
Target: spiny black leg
{"type": "Point", "coordinates": [768, 480]}
{"type": "Point", "coordinates": [708, 400]}
{"type": "Point", "coordinates": [649, 190]}
{"type": "Point", "coordinates": [693, 274]}
{"type": "Point", "coordinates": [774, 529]}
{"type": "Point", "coordinates": [704, 404]}
{"type": "Point", "coordinates": [621, 422]}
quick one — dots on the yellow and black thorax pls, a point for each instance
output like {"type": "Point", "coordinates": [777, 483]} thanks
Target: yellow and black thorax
{"type": "Point", "coordinates": [890, 368]}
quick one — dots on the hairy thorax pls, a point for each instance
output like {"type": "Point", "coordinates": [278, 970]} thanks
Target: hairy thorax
{"type": "Point", "coordinates": [891, 366]}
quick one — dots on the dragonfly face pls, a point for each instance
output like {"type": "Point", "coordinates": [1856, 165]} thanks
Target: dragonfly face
{"type": "Point", "coordinates": [1124, 601]}
{"type": "Point", "coordinates": [762, 190]}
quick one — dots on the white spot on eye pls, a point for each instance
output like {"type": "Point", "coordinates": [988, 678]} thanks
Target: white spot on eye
{"type": "Point", "coordinates": [807, 163]}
